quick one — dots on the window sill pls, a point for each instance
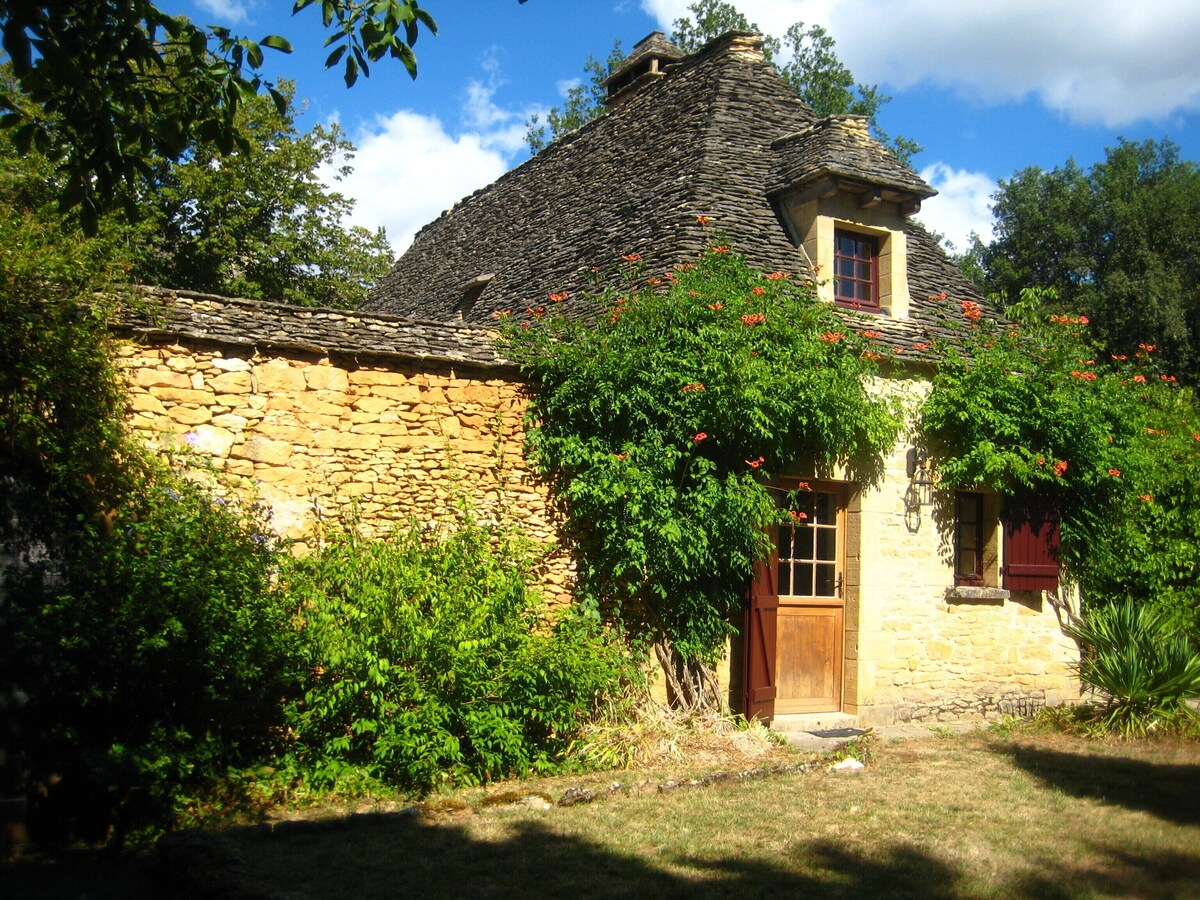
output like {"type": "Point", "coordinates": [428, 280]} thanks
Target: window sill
{"type": "Point", "coordinates": [963, 593]}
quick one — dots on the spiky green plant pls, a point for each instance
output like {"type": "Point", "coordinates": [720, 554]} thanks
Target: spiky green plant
{"type": "Point", "coordinates": [1133, 656]}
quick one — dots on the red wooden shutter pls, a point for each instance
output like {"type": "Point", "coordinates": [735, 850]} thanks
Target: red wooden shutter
{"type": "Point", "coordinates": [762, 611]}
{"type": "Point", "coordinates": [1030, 546]}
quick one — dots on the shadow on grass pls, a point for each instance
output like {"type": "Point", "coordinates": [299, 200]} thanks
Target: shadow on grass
{"type": "Point", "coordinates": [535, 860]}
{"type": "Point", "coordinates": [1170, 791]}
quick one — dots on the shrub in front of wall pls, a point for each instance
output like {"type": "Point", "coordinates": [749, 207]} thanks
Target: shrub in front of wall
{"type": "Point", "coordinates": [150, 652]}
{"type": "Point", "coordinates": [431, 660]}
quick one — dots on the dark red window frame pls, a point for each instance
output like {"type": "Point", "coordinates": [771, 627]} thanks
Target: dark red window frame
{"type": "Point", "coordinates": [968, 538]}
{"type": "Point", "coordinates": [855, 270]}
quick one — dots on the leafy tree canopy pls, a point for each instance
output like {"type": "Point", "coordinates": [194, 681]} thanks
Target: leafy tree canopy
{"type": "Point", "coordinates": [106, 88]}
{"type": "Point", "coordinates": [1116, 242]}
{"type": "Point", "coordinates": [815, 71]}
{"type": "Point", "coordinates": [257, 222]}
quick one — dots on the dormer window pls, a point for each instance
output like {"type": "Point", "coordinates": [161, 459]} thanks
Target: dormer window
{"type": "Point", "coordinates": [856, 271]}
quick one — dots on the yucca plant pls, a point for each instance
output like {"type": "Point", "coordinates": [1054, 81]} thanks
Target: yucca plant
{"type": "Point", "coordinates": [1144, 667]}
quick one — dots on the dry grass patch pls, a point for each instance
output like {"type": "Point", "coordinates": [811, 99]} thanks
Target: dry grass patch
{"type": "Point", "coordinates": [976, 816]}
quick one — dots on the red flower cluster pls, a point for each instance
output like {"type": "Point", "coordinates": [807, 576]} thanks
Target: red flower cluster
{"type": "Point", "coordinates": [1068, 320]}
{"type": "Point", "coordinates": [703, 220]}
{"type": "Point", "coordinates": [869, 335]}
{"type": "Point", "coordinates": [758, 291]}
{"type": "Point", "coordinates": [1139, 379]}
{"type": "Point", "coordinates": [559, 297]}
{"type": "Point", "coordinates": [754, 319]}
{"type": "Point", "coordinates": [755, 463]}
{"type": "Point", "coordinates": [1149, 348]}
{"type": "Point", "coordinates": [921, 346]}
{"type": "Point", "coordinates": [870, 354]}
{"type": "Point", "coordinates": [1060, 468]}
{"type": "Point", "coordinates": [798, 516]}
{"type": "Point", "coordinates": [1167, 378]}
{"type": "Point", "coordinates": [970, 309]}
{"type": "Point", "coordinates": [804, 486]}
{"type": "Point", "coordinates": [1145, 498]}
{"type": "Point", "coordinates": [832, 337]}
{"type": "Point", "coordinates": [714, 306]}
{"type": "Point", "coordinates": [631, 257]}
{"type": "Point", "coordinates": [700, 436]}
{"type": "Point", "coordinates": [722, 249]}
{"type": "Point", "coordinates": [692, 388]}
{"type": "Point", "coordinates": [1120, 357]}
{"type": "Point", "coordinates": [621, 456]}
{"type": "Point", "coordinates": [775, 276]}
{"type": "Point", "coordinates": [1084, 376]}
{"type": "Point", "coordinates": [536, 311]}
{"type": "Point", "coordinates": [1157, 431]}
{"type": "Point", "coordinates": [1115, 473]}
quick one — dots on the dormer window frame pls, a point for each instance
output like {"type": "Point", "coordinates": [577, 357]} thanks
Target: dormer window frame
{"type": "Point", "coordinates": [856, 272]}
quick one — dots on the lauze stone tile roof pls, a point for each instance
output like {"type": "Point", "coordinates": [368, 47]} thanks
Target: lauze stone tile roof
{"type": "Point", "coordinates": [156, 313]}
{"type": "Point", "coordinates": [718, 136]}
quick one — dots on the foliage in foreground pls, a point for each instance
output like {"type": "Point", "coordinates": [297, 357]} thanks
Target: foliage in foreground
{"type": "Point", "coordinates": [431, 660]}
{"type": "Point", "coordinates": [661, 420]}
{"type": "Point", "coordinates": [1144, 667]}
{"type": "Point", "coordinates": [1111, 439]}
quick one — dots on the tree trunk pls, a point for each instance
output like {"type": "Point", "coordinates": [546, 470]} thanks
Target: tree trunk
{"type": "Point", "coordinates": [691, 685]}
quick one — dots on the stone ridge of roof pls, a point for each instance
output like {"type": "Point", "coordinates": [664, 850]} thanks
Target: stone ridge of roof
{"type": "Point", "coordinates": [842, 146]}
{"type": "Point", "coordinates": [258, 325]}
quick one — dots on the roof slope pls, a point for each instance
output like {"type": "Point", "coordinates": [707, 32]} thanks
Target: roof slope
{"type": "Point", "coordinates": [712, 138]}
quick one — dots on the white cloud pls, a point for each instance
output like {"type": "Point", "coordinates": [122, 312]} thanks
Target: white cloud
{"type": "Point", "coordinates": [408, 169]}
{"type": "Point", "coordinates": [231, 12]}
{"type": "Point", "coordinates": [962, 206]}
{"type": "Point", "coordinates": [1110, 62]}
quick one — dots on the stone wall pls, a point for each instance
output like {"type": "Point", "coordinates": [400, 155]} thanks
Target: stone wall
{"type": "Point", "coordinates": [311, 435]}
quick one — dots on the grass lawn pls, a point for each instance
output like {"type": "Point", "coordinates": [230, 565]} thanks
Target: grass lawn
{"type": "Point", "coordinates": [974, 815]}
{"type": "Point", "coordinates": [977, 815]}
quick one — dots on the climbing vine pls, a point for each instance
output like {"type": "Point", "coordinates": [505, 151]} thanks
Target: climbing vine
{"type": "Point", "coordinates": [661, 417]}
{"type": "Point", "coordinates": [1035, 406]}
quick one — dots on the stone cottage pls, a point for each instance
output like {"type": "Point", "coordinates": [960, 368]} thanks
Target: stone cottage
{"type": "Point", "coordinates": [892, 602]}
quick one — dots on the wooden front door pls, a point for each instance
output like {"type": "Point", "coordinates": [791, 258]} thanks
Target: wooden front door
{"type": "Point", "coordinates": [809, 634]}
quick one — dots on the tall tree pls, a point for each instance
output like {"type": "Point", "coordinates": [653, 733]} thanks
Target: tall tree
{"type": "Point", "coordinates": [115, 84]}
{"type": "Point", "coordinates": [260, 222]}
{"type": "Point", "coordinates": [818, 76]}
{"type": "Point", "coordinates": [1117, 243]}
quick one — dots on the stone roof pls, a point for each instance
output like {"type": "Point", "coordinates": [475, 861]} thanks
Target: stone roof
{"type": "Point", "coordinates": [157, 313]}
{"type": "Point", "coordinates": [714, 137]}
{"type": "Point", "coordinates": [840, 146]}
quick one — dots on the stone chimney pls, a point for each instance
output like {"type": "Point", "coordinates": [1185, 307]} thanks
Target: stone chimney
{"type": "Point", "coordinates": [646, 64]}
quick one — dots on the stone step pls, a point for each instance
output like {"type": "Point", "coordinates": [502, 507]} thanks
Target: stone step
{"type": "Point", "coordinates": [825, 721]}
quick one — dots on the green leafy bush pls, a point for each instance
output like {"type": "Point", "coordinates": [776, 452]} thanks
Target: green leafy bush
{"type": "Point", "coordinates": [431, 660]}
{"type": "Point", "coordinates": [151, 654]}
{"type": "Point", "coordinates": [1145, 668]}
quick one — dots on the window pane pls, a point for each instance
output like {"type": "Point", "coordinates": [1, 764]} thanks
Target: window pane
{"type": "Point", "coordinates": [824, 506]}
{"type": "Point", "coordinates": [804, 543]}
{"type": "Point", "coordinates": [785, 543]}
{"type": "Point", "coordinates": [826, 544]}
{"type": "Point", "coordinates": [804, 580]}
{"type": "Point", "coordinates": [785, 578]}
{"type": "Point", "coordinates": [826, 584]}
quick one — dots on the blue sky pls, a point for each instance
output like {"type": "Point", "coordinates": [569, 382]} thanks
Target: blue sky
{"type": "Point", "coordinates": [987, 87]}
